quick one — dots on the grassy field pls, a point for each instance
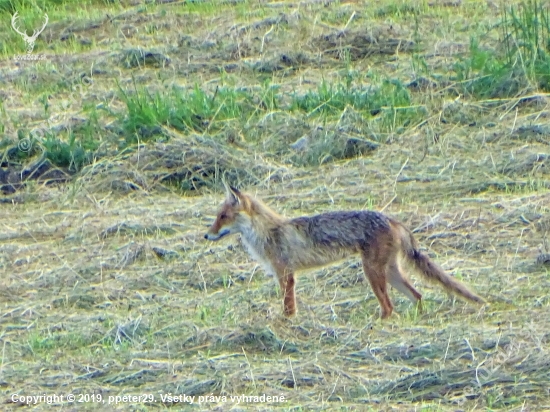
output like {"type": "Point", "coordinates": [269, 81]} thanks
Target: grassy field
{"type": "Point", "coordinates": [115, 141]}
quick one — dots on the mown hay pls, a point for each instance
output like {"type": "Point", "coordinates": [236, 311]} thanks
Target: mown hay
{"type": "Point", "coordinates": [189, 163]}
{"type": "Point", "coordinates": [361, 43]}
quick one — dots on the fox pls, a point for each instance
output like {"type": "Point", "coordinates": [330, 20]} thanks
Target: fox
{"type": "Point", "coordinates": [284, 246]}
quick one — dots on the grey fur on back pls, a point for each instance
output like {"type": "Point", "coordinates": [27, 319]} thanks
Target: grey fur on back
{"type": "Point", "coordinates": [343, 229]}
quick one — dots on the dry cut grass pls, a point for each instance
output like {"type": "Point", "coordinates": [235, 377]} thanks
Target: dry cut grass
{"type": "Point", "coordinates": [108, 288]}
{"type": "Point", "coordinates": [121, 295]}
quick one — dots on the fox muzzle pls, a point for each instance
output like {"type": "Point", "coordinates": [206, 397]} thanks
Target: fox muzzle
{"type": "Point", "coordinates": [217, 236]}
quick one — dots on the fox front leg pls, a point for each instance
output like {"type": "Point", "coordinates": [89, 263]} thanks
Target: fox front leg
{"type": "Point", "coordinates": [287, 283]}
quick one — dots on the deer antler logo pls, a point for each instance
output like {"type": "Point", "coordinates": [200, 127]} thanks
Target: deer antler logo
{"type": "Point", "coordinates": [30, 40]}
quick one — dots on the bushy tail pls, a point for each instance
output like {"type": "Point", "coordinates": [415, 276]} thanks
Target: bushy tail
{"type": "Point", "coordinates": [431, 270]}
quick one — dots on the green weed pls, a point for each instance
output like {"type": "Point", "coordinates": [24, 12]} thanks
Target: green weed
{"type": "Point", "coordinates": [199, 111]}
{"type": "Point", "coordinates": [396, 10]}
{"type": "Point", "coordinates": [526, 38]}
{"type": "Point", "coordinates": [188, 111]}
{"type": "Point", "coordinates": [145, 112]}
{"type": "Point", "coordinates": [522, 63]}
{"type": "Point", "coordinates": [73, 154]}
{"type": "Point", "coordinates": [46, 342]}
{"type": "Point", "coordinates": [484, 75]}
{"type": "Point", "coordinates": [330, 100]}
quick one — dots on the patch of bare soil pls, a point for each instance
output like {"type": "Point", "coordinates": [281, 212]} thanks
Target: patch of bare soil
{"type": "Point", "coordinates": [13, 177]}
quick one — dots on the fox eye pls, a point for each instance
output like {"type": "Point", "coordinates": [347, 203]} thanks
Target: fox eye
{"type": "Point", "coordinates": [223, 216]}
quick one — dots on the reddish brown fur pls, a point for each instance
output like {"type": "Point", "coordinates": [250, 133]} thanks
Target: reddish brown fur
{"type": "Point", "coordinates": [284, 246]}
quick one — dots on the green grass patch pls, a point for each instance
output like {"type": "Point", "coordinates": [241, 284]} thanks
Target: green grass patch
{"type": "Point", "coordinates": [51, 342]}
{"type": "Point", "coordinates": [484, 75]}
{"type": "Point", "coordinates": [189, 111]}
{"type": "Point", "coordinates": [73, 154]}
{"type": "Point", "coordinates": [71, 150]}
{"type": "Point", "coordinates": [522, 61]}
{"type": "Point", "coordinates": [526, 36]}
{"type": "Point", "coordinates": [390, 103]}
{"type": "Point", "coordinates": [396, 9]}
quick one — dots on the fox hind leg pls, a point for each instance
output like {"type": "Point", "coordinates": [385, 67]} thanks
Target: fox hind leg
{"type": "Point", "coordinates": [374, 268]}
{"type": "Point", "coordinates": [400, 282]}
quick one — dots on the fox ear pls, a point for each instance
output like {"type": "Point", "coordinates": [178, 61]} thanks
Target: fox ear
{"type": "Point", "coordinates": [234, 190]}
{"type": "Point", "coordinates": [233, 194]}
{"type": "Point", "coordinates": [226, 186]}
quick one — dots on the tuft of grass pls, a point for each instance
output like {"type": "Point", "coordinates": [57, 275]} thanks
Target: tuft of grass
{"type": "Point", "coordinates": [199, 111]}
{"type": "Point", "coordinates": [396, 10]}
{"type": "Point", "coordinates": [522, 63]}
{"type": "Point", "coordinates": [71, 150]}
{"type": "Point", "coordinates": [72, 154]}
{"type": "Point", "coordinates": [145, 112]}
{"type": "Point", "coordinates": [188, 111]}
{"type": "Point", "coordinates": [48, 343]}
{"type": "Point", "coordinates": [526, 38]}
{"type": "Point", "coordinates": [485, 75]}
{"type": "Point", "coordinates": [391, 100]}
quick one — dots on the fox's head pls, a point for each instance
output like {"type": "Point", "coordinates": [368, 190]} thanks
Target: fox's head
{"type": "Point", "coordinates": [232, 217]}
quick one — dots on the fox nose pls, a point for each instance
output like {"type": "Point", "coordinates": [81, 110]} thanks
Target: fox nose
{"type": "Point", "coordinates": [206, 236]}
